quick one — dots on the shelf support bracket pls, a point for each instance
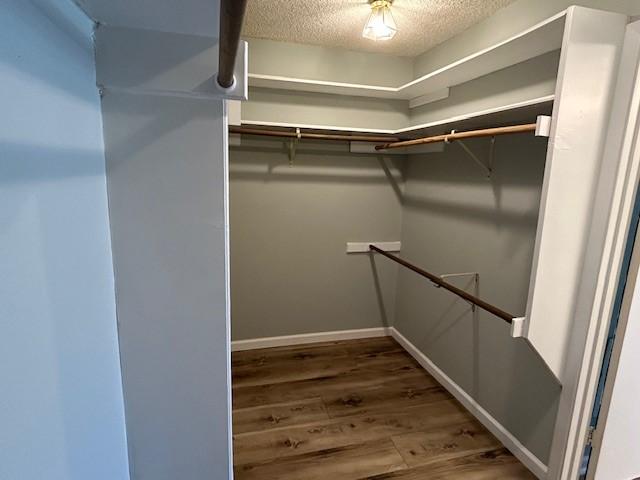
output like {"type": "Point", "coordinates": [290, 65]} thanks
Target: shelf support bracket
{"type": "Point", "coordinates": [474, 157]}
{"type": "Point", "coordinates": [293, 145]}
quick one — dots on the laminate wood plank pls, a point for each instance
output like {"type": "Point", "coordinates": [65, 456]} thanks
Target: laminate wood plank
{"type": "Point", "coordinates": [355, 410]}
{"type": "Point", "coordinates": [256, 419]}
{"type": "Point", "coordinates": [297, 440]}
{"type": "Point", "coordinates": [328, 350]}
{"type": "Point", "coordinates": [363, 376]}
{"type": "Point", "coordinates": [345, 463]}
{"type": "Point", "coordinates": [392, 395]}
{"type": "Point", "coordinates": [489, 465]}
{"type": "Point", "coordinates": [445, 443]}
{"type": "Point", "coordinates": [310, 368]}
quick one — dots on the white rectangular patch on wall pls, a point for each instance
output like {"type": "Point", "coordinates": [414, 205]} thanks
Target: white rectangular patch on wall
{"type": "Point", "coordinates": [234, 112]}
{"type": "Point", "coordinates": [363, 247]}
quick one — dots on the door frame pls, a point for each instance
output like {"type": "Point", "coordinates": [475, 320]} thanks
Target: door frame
{"type": "Point", "coordinates": [586, 351]}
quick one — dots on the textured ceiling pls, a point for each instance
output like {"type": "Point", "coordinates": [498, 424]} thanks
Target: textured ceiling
{"type": "Point", "coordinates": [422, 24]}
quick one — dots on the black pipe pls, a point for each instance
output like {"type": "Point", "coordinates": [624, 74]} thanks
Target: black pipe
{"type": "Point", "coordinates": [231, 19]}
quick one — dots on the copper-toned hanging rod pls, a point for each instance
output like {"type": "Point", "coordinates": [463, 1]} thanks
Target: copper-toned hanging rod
{"type": "Point", "coordinates": [487, 132]}
{"type": "Point", "coordinates": [315, 136]}
{"type": "Point", "coordinates": [507, 317]}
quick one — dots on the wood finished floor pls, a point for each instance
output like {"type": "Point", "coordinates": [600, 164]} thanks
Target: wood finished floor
{"type": "Point", "coordinates": [351, 410]}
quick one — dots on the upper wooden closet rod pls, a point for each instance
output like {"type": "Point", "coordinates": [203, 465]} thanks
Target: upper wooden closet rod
{"type": "Point", "coordinates": [317, 136]}
{"type": "Point", "coordinates": [390, 141]}
{"type": "Point", "coordinates": [487, 132]}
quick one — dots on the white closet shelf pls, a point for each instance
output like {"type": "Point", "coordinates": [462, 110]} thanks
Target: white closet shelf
{"type": "Point", "coordinates": [542, 38]}
{"type": "Point", "coordinates": [525, 110]}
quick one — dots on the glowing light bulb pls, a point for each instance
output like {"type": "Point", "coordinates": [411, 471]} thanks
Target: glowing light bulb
{"type": "Point", "coordinates": [380, 25]}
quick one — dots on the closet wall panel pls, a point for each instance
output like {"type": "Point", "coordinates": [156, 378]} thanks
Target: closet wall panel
{"type": "Point", "coordinates": [456, 220]}
{"type": "Point", "coordinates": [289, 227]}
{"type": "Point", "coordinates": [166, 177]}
{"type": "Point", "coordinates": [309, 109]}
{"type": "Point", "coordinates": [332, 64]}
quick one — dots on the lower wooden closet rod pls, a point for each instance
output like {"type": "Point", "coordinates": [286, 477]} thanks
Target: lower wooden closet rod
{"type": "Point", "coordinates": [507, 317]}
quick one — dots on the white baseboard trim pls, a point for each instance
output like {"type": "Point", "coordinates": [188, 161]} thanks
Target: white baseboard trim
{"type": "Point", "coordinates": [532, 462]}
{"type": "Point", "coordinates": [287, 340]}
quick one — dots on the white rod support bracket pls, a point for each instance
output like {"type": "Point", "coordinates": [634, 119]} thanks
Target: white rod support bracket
{"type": "Point", "coordinates": [543, 126]}
{"type": "Point", "coordinates": [476, 281]}
{"type": "Point", "coordinates": [517, 327]}
{"type": "Point", "coordinates": [239, 90]}
{"type": "Point", "coordinates": [363, 247]}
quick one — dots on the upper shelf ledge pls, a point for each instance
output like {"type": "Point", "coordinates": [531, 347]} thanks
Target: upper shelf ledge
{"type": "Point", "coordinates": [542, 38]}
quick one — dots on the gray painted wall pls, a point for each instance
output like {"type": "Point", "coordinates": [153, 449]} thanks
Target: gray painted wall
{"type": "Point", "coordinates": [304, 108]}
{"type": "Point", "coordinates": [296, 60]}
{"type": "Point", "coordinates": [166, 182]}
{"type": "Point", "coordinates": [167, 179]}
{"type": "Point", "coordinates": [457, 220]}
{"type": "Point", "coordinates": [61, 409]}
{"type": "Point", "coordinates": [289, 228]}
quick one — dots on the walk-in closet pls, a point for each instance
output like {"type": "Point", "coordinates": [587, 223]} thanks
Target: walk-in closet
{"type": "Point", "coordinates": [324, 239]}
{"type": "Point", "coordinates": [400, 249]}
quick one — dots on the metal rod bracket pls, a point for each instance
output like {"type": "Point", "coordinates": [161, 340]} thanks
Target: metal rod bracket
{"type": "Point", "coordinates": [476, 281]}
{"type": "Point", "coordinates": [293, 145]}
{"type": "Point", "coordinates": [474, 157]}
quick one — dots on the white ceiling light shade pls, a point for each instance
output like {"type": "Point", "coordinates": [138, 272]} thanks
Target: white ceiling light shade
{"type": "Point", "coordinates": [380, 25]}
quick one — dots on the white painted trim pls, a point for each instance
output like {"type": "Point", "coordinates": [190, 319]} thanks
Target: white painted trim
{"type": "Point", "coordinates": [320, 86]}
{"type": "Point", "coordinates": [227, 284]}
{"type": "Point", "coordinates": [305, 338]}
{"type": "Point", "coordinates": [215, 96]}
{"type": "Point", "coordinates": [533, 463]}
{"type": "Point", "coordinates": [588, 337]}
{"type": "Point", "coordinates": [267, 123]}
{"type": "Point", "coordinates": [363, 247]}
{"type": "Point", "coordinates": [437, 123]}
{"type": "Point", "coordinates": [543, 126]}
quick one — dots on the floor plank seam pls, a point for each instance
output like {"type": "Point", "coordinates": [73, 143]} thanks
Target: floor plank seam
{"type": "Point", "coordinates": [359, 424]}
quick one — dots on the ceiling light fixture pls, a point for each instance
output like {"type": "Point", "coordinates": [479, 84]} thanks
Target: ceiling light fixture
{"type": "Point", "coordinates": [380, 25]}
